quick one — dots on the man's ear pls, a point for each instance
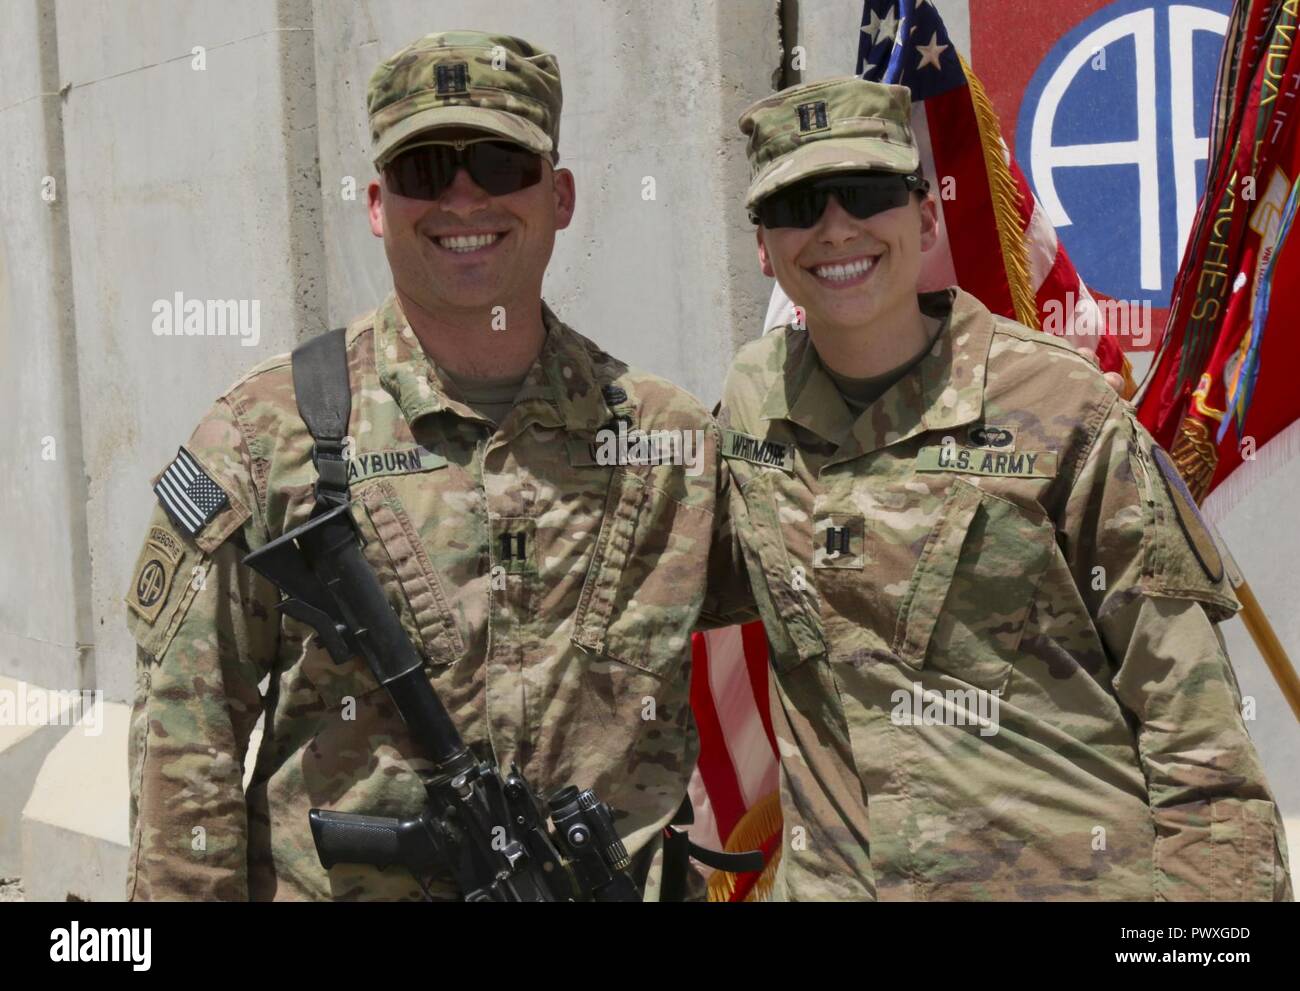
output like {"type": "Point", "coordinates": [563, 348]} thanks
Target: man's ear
{"type": "Point", "coordinates": [929, 223]}
{"type": "Point", "coordinates": [565, 198]}
{"type": "Point", "coordinates": [764, 262]}
{"type": "Point", "coordinates": [375, 207]}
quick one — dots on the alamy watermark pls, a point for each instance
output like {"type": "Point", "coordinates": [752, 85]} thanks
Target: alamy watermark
{"type": "Point", "coordinates": [1111, 317]}
{"type": "Point", "coordinates": [32, 706]}
{"type": "Point", "coordinates": [91, 945]}
{"type": "Point", "coordinates": [953, 707]}
{"type": "Point", "coordinates": [181, 317]}
{"type": "Point", "coordinates": [650, 447]}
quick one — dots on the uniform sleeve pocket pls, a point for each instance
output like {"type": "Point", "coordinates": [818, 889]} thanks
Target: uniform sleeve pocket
{"type": "Point", "coordinates": [965, 608]}
{"type": "Point", "coordinates": [1220, 850]}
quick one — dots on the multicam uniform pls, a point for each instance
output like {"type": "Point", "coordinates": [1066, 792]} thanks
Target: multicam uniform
{"type": "Point", "coordinates": [551, 597]}
{"type": "Point", "coordinates": [996, 526]}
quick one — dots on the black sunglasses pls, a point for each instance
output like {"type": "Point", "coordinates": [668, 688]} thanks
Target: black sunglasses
{"type": "Point", "coordinates": [498, 167]}
{"type": "Point", "coordinates": [862, 194]}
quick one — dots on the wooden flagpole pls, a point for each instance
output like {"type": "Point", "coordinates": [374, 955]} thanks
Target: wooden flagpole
{"type": "Point", "coordinates": [1275, 656]}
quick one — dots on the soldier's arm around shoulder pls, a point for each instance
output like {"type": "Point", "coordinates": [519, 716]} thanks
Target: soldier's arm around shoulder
{"type": "Point", "coordinates": [206, 632]}
{"type": "Point", "coordinates": [1155, 583]}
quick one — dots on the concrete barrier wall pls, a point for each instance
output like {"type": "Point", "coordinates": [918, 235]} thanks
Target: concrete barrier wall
{"type": "Point", "coordinates": [45, 581]}
{"type": "Point", "coordinates": [1263, 533]}
{"type": "Point", "coordinates": [185, 175]}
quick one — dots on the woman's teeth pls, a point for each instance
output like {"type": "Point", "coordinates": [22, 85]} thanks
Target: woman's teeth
{"type": "Point", "coordinates": [463, 243]}
{"type": "Point", "coordinates": [842, 273]}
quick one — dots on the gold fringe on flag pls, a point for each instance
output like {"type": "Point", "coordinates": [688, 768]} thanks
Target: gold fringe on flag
{"type": "Point", "coordinates": [1130, 387]}
{"type": "Point", "coordinates": [754, 829]}
{"type": "Point", "coordinates": [1006, 203]}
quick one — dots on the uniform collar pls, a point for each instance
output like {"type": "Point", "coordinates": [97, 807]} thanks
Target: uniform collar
{"type": "Point", "coordinates": [560, 388]}
{"type": "Point", "coordinates": [566, 370]}
{"type": "Point", "coordinates": [945, 390]}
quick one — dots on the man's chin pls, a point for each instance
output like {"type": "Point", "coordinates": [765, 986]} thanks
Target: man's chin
{"type": "Point", "coordinates": [442, 297]}
{"type": "Point", "coordinates": [467, 287]}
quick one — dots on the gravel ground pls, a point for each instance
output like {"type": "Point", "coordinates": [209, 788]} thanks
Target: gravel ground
{"type": "Point", "coordinates": [11, 889]}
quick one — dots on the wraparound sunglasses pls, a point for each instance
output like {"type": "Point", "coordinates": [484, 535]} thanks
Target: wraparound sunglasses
{"type": "Point", "coordinates": [862, 194]}
{"type": "Point", "coordinates": [425, 171]}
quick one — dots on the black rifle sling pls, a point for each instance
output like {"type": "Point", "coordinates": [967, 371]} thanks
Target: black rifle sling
{"type": "Point", "coordinates": [324, 394]}
{"type": "Point", "coordinates": [676, 866]}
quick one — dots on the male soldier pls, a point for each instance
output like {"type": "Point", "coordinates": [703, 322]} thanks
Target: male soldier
{"type": "Point", "coordinates": [991, 604]}
{"type": "Point", "coordinates": [551, 594]}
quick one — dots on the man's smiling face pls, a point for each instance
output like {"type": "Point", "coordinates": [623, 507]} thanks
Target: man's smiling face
{"type": "Point", "coordinates": [847, 273]}
{"type": "Point", "coordinates": [469, 250]}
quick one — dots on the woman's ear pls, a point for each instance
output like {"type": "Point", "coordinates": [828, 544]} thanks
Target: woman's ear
{"type": "Point", "coordinates": [764, 262]}
{"type": "Point", "coordinates": [929, 223]}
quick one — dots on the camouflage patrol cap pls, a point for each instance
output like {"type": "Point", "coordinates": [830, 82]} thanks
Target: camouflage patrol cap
{"type": "Point", "coordinates": [844, 124]}
{"type": "Point", "coordinates": [491, 82]}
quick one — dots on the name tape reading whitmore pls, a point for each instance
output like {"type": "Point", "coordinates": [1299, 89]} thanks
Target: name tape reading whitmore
{"type": "Point", "coordinates": [768, 453]}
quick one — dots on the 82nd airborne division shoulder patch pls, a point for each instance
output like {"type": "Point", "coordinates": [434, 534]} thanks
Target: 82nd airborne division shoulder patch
{"type": "Point", "coordinates": [154, 571]}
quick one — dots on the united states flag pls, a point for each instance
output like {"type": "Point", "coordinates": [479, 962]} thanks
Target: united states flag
{"type": "Point", "coordinates": [734, 789]}
{"type": "Point", "coordinates": [189, 495]}
{"type": "Point", "coordinates": [1004, 249]}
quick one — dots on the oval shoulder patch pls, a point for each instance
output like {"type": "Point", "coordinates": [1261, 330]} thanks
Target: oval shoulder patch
{"type": "Point", "coordinates": [1189, 517]}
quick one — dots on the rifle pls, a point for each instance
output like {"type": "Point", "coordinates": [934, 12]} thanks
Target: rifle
{"type": "Point", "coordinates": [486, 828]}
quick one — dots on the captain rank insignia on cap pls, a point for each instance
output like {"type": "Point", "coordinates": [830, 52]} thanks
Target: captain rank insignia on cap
{"type": "Point", "coordinates": [188, 493]}
{"type": "Point", "coordinates": [812, 116]}
{"type": "Point", "coordinates": [451, 79]}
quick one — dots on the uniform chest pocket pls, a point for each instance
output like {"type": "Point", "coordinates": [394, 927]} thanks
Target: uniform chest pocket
{"type": "Point", "coordinates": [645, 583]}
{"type": "Point", "coordinates": [400, 561]}
{"type": "Point", "coordinates": [796, 634]}
{"type": "Point", "coordinates": [965, 609]}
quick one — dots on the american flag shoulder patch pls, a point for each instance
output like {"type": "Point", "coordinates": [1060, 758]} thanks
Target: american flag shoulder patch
{"type": "Point", "coordinates": [188, 493]}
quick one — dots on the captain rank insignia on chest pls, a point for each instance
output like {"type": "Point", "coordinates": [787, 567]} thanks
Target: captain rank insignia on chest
{"type": "Point", "coordinates": [838, 541]}
{"type": "Point", "coordinates": [514, 544]}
